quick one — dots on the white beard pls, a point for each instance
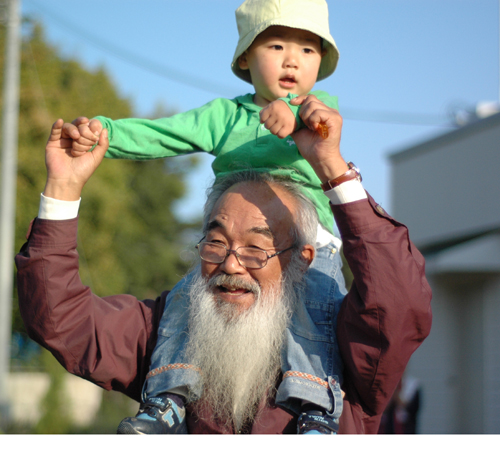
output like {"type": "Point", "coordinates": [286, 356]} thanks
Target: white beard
{"type": "Point", "coordinates": [239, 354]}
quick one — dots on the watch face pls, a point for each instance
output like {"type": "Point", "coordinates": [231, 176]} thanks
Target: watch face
{"type": "Point", "coordinates": [352, 166]}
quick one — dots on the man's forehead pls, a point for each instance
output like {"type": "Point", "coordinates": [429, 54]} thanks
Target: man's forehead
{"type": "Point", "coordinates": [254, 208]}
{"type": "Point", "coordinates": [223, 222]}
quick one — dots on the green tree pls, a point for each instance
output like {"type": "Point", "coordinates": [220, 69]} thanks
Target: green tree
{"type": "Point", "coordinates": [129, 239]}
{"type": "Point", "coordinates": [114, 407]}
{"type": "Point", "coordinates": [55, 416]}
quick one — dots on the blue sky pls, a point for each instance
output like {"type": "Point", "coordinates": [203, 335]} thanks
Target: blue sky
{"type": "Point", "coordinates": [404, 65]}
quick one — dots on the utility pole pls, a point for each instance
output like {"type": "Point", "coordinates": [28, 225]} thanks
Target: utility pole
{"type": "Point", "coordinates": [8, 191]}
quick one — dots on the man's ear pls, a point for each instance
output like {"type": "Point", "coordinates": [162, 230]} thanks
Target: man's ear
{"type": "Point", "coordinates": [242, 61]}
{"type": "Point", "coordinates": [307, 254]}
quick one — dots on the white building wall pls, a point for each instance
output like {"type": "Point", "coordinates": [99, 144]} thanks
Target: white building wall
{"type": "Point", "coordinates": [459, 363]}
{"type": "Point", "coordinates": [434, 365]}
{"type": "Point", "coordinates": [469, 297]}
{"type": "Point", "coordinates": [447, 188]}
{"type": "Point", "coordinates": [446, 191]}
{"type": "Point", "coordinates": [492, 357]}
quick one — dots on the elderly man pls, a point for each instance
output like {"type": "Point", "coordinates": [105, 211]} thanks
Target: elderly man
{"type": "Point", "coordinates": [237, 315]}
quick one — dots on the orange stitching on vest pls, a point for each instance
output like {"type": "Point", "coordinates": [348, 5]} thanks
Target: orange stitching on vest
{"type": "Point", "coordinates": [159, 370]}
{"type": "Point", "coordinates": [293, 373]}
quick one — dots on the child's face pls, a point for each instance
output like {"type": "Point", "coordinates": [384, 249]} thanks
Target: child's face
{"type": "Point", "coordinates": [282, 60]}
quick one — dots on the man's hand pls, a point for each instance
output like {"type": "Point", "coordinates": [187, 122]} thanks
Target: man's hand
{"type": "Point", "coordinates": [85, 134]}
{"type": "Point", "coordinates": [67, 174]}
{"type": "Point", "coordinates": [322, 154]}
{"type": "Point", "coordinates": [278, 119]}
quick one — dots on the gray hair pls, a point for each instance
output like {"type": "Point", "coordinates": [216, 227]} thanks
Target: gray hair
{"type": "Point", "coordinates": [306, 217]}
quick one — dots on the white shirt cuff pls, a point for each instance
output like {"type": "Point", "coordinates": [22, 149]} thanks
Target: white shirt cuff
{"type": "Point", "coordinates": [57, 210]}
{"type": "Point", "coordinates": [350, 191]}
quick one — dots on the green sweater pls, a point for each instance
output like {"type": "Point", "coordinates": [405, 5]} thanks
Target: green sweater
{"type": "Point", "coordinates": [229, 129]}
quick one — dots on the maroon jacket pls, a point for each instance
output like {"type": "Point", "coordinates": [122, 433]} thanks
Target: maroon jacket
{"type": "Point", "coordinates": [109, 341]}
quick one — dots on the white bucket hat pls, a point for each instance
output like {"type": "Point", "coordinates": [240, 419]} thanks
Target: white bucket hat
{"type": "Point", "coordinates": [255, 16]}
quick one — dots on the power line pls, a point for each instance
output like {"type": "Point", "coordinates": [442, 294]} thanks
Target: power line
{"type": "Point", "coordinates": [401, 118]}
{"type": "Point", "coordinates": [135, 59]}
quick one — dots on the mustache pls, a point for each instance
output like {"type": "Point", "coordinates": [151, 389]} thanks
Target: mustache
{"type": "Point", "coordinates": [233, 281]}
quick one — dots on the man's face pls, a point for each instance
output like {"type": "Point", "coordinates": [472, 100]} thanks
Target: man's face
{"type": "Point", "coordinates": [282, 60]}
{"type": "Point", "coordinates": [250, 215]}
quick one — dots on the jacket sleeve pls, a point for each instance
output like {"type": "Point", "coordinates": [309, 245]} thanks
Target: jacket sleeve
{"type": "Point", "coordinates": [386, 315]}
{"type": "Point", "coordinates": [107, 341]}
{"type": "Point", "coordinates": [199, 129]}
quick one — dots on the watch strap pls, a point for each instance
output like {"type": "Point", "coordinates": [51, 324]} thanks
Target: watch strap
{"type": "Point", "coordinates": [351, 174]}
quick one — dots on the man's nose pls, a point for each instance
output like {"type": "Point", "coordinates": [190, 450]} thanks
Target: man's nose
{"type": "Point", "coordinates": [231, 265]}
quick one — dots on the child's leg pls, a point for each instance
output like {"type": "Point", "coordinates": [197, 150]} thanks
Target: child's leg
{"type": "Point", "coordinates": [170, 380]}
{"type": "Point", "coordinates": [169, 371]}
{"type": "Point", "coordinates": [312, 366]}
{"type": "Point", "coordinates": [164, 414]}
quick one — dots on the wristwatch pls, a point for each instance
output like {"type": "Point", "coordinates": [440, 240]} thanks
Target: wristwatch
{"type": "Point", "coordinates": [352, 174]}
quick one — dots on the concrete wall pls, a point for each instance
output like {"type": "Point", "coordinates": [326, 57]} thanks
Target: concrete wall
{"type": "Point", "coordinates": [446, 191]}
{"type": "Point", "coordinates": [459, 363]}
{"type": "Point", "coordinates": [448, 188]}
{"type": "Point", "coordinates": [434, 365]}
{"type": "Point", "coordinates": [491, 357]}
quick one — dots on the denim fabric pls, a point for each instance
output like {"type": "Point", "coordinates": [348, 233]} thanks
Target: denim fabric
{"type": "Point", "coordinates": [168, 371]}
{"type": "Point", "coordinates": [311, 362]}
{"type": "Point", "coordinates": [312, 368]}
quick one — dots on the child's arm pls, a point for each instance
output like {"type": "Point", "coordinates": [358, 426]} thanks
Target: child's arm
{"type": "Point", "coordinates": [199, 129]}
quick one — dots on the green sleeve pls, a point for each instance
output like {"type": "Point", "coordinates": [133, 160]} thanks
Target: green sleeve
{"type": "Point", "coordinates": [330, 101]}
{"type": "Point", "coordinates": [196, 130]}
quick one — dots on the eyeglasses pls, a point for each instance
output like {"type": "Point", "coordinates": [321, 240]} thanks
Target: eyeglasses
{"type": "Point", "coordinates": [249, 257]}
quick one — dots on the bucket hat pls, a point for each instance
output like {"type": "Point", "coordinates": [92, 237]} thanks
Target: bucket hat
{"type": "Point", "coordinates": [255, 16]}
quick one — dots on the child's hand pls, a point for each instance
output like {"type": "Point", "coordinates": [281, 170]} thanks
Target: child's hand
{"type": "Point", "coordinates": [311, 111]}
{"type": "Point", "coordinates": [85, 134]}
{"type": "Point", "coordinates": [278, 119]}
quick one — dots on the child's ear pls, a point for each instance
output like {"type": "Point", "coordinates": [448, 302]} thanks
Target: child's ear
{"type": "Point", "coordinates": [242, 61]}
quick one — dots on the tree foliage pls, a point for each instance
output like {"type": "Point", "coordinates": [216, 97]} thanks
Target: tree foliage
{"type": "Point", "coordinates": [55, 415]}
{"type": "Point", "coordinates": [129, 239]}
